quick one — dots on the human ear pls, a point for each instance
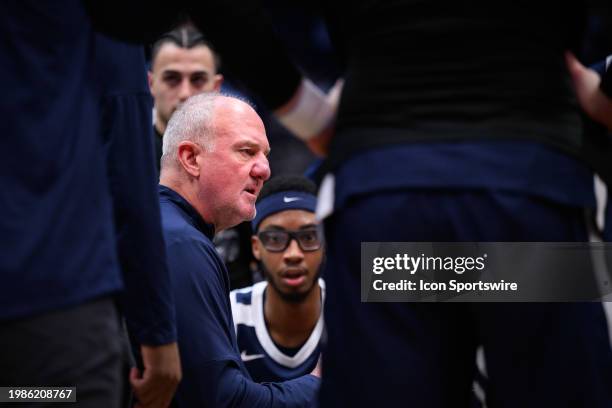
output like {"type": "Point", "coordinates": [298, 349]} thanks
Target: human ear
{"type": "Point", "coordinates": [218, 81]}
{"type": "Point", "coordinates": [187, 155]}
{"type": "Point", "coordinates": [255, 247]}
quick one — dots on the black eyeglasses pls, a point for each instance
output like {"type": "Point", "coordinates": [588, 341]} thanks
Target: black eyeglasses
{"type": "Point", "coordinates": [278, 240]}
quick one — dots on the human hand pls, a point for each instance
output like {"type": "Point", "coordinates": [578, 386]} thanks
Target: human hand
{"type": "Point", "coordinates": [590, 97]}
{"type": "Point", "coordinates": [155, 387]}
{"type": "Point", "coordinates": [310, 114]}
{"type": "Point", "coordinates": [319, 144]}
{"type": "Point", "coordinates": [317, 371]}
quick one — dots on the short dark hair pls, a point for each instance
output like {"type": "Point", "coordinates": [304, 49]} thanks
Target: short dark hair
{"type": "Point", "coordinates": [184, 36]}
{"type": "Point", "coordinates": [289, 182]}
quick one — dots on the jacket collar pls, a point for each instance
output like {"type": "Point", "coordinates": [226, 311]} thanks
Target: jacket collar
{"type": "Point", "coordinates": [192, 215]}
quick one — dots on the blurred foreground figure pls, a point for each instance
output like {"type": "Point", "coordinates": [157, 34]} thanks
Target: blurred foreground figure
{"type": "Point", "coordinates": [79, 217]}
{"type": "Point", "coordinates": [457, 122]}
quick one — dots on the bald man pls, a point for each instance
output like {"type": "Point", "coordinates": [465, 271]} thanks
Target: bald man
{"type": "Point", "coordinates": [214, 164]}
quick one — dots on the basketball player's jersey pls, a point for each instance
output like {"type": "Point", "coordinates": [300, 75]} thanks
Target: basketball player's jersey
{"type": "Point", "coordinates": [264, 360]}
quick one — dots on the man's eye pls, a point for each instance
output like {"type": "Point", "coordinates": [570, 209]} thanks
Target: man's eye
{"type": "Point", "coordinates": [198, 82]}
{"type": "Point", "coordinates": [249, 152]}
{"type": "Point", "coordinates": [172, 80]}
{"type": "Point", "coordinates": [310, 236]}
{"type": "Point", "coordinates": [273, 240]}
{"type": "Point", "coordinates": [276, 236]}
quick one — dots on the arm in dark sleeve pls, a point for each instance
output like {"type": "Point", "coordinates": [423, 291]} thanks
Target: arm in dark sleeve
{"type": "Point", "coordinates": [244, 36]}
{"type": "Point", "coordinates": [147, 301]}
{"type": "Point", "coordinates": [213, 374]}
{"type": "Point", "coordinates": [235, 389]}
{"type": "Point", "coordinates": [116, 18]}
{"type": "Point", "coordinates": [239, 30]}
{"type": "Point", "coordinates": [604, 69]}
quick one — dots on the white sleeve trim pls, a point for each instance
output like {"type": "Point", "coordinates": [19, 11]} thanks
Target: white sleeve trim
{"type": "Point", "coordinates": [241, 313]}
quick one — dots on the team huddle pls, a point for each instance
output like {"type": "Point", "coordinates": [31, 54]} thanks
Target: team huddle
{"type": "Point", "coordinates": [136, 134]}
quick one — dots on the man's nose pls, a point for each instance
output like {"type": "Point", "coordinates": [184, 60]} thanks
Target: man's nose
{"type": "Point", "coordinates": [293, 253]}
{"type": "Point", "coordinates": [184, 90]}
{"type": "Point", "coordinates": [261, 168]}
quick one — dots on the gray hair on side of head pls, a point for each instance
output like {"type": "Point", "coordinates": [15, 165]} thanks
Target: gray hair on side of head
{"type": "Point", "coordinates": [192, 121]}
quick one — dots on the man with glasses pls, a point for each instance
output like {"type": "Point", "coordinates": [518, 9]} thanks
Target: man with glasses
{"type": "Point", "coordinates": [279, 322]}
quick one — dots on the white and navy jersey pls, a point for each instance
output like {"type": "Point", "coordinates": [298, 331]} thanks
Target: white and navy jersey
{"type": "Point", "coordinates": [261, 356]}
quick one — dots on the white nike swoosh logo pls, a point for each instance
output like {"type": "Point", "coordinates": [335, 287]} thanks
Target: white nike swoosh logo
{"type": "Point", "coordinates": [248, 357]}
{"type": "Point", "coordinates": [291, 199]}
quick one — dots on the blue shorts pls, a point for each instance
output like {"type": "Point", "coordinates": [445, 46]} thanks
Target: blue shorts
{"type": "Point", "coordinates": [422, 355]}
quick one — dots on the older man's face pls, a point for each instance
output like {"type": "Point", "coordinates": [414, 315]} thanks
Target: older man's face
{"type": "Point", "coordinates": [236, 168]}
